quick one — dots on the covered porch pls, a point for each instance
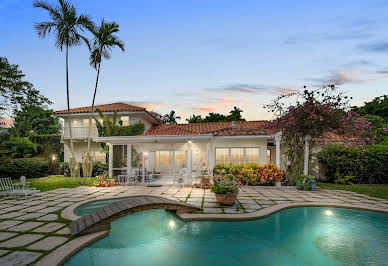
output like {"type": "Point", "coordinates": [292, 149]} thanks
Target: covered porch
{"type": "Point", "coordinates": [182, 159]}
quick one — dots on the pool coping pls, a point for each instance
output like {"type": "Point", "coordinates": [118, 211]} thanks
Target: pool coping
{"type": "Point", "coordinates": [60, 255]}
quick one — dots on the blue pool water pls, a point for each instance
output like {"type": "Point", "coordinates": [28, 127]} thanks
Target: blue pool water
{"type": "Point", "coordinates": [299, 236]}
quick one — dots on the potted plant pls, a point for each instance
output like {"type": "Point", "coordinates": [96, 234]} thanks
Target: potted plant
{"type": "Point", "coordinates": [205, 180]}
{"type": "Point", "coordinates": [304, 182]}
{"type": "Point", "coordinates": [226, 188]}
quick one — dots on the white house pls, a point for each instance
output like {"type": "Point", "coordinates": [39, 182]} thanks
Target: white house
{"type": "Point", "coordinates": [171, 151]}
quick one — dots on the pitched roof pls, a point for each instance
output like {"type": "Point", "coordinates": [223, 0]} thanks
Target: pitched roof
{"type": "Point", "coordinates": [214, 128]}
{"type": "Point", "coordinates": [6, 122]}
{"type": "Point", "coordinates": [112, 107]}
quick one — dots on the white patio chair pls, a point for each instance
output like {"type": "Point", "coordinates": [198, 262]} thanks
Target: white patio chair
{"type": "Point", "coordinates": [11, 189]}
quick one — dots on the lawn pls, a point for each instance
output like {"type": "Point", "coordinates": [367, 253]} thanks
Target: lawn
{"type": "Point", "coordinates": [374, 190]}
{"type": "Point", "coordinates": [54, 182]}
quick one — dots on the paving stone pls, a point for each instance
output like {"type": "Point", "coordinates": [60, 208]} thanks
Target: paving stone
{"type": "Point", "coordinates": [64, 204]}
{"type": "Point", "coordinates": [64, 231]}
{"type": "Point", "coordinates": [3, 252]}
{"type": "Point", "coordinates": [265, 202]}
{"type": "Point", "coordinates": [19, 258]}
{"type": "Point", "coordinates": [20, 241]}
{"type": "Point", "coordinates": [27, 226]}
{"type": "Point", "coordinates": [6, 235]}
{"type": "Point", "coordinates": [212, 210]}
{"type": "Point", "coordinates": [14, 208]}
{"type": "Point", "coordinates": [211, 205]}
{"type": "Point", "coordinates": [28, 216]}
{"type": "Point", "coordinates": [11, 215]}
{"type": "Point", "coordinates": [49, 227]}
{"type": "Point", "coordinates": [48, 243]}
{"type": "Point", "coordinates": [229, 210]}
{"type": "Point", "coordinates": [6, 224]}
{"type": "Point", "coordinates": [35, 208]}
{"type": "Point", "coordinates": [49, 209]}
{"type": "Point", "coordinates": [48, 217]}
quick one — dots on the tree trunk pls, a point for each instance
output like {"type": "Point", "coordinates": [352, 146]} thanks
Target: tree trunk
{"type": "Point", "coordinates": [68, 104]}
{"type": "Point", "coordinates": [91, 113]}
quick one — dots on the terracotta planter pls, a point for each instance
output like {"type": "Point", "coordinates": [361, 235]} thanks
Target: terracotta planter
{"type": "Point", "coordinates": [226, 199]}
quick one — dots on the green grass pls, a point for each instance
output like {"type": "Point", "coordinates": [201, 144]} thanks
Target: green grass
{"type": "Point", "coordinates": [54, 182]}
{"type": "Point", "coordinates": [374, 190]}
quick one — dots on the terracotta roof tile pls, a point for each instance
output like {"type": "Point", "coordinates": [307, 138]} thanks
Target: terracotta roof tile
{"type": "Point", "coordinates": [112, 107]}
{"type": "Point", "coordinates": [215, 128]}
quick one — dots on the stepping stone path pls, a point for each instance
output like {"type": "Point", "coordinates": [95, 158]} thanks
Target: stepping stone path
{"type": "Point", "coordinates": [48, 243]}
{"type": "Point", "coordinates": [19, 258]}
{"type": "Point", "coordinates": [48, 217]}
{"type": "Point", "coordinates": [20, 241]}
{"type": "Point", "coordinates": [47, 228]}
{"type": "Point", "coordinates": [25, 226]}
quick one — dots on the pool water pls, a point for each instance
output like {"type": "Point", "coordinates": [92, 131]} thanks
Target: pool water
{"type": "Point", "coordinates": [299, 236]}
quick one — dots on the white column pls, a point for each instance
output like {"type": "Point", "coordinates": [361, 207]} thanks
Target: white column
{"type": "Point", "coordinates": [188, 159]}
{"type": "Point", "coordinates": [212, 155]}
{"type": "Point", "coordinates": [306, 154]}
{"type": "Point", "coordinates": [110, 145]}
{"type": "Point", "coordinates": [278, 138]}
{"type": "Point", "coordinates": [129, 160]}
{"type": "Point", "coordinates": [143, 170]}
{"type": "Point", "coordinates": [173, 161]}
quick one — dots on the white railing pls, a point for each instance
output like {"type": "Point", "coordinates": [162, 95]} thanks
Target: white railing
{"type": "Point", "coordinates": [79, 132]}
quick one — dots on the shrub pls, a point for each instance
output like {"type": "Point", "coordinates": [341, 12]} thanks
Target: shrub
{"type": "Point", "coordinates": [269, 173]}
{"type": "Point", "coordinates": [47, 144]}
{"type": "Point", "coordinates": [32, 167]}
{"type": "Point", "coordinates": [18, 147]}
{"type": "Point", "coordinates": [304, 182]}
{"type": "Point", "coordinates": [98, 169]}
{"type": "Point", "coordinates": [251, 173]}
{"type": "Point", "coordinates": [131, 130]}
{"type": "Point", "coordinates": [368, 164]}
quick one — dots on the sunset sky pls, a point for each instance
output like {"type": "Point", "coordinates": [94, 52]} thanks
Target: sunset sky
{"type": "Point", "coordinates": [208, 56]}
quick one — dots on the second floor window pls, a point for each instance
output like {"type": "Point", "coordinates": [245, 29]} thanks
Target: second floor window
{"type": "Point", "coordinates": [125, 120]}
{"type": "Point", "coordinates": [85, 122]}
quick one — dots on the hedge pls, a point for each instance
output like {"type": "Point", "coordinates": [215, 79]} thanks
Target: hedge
{"type": "Point", "coordinates": [98, 168]}
{"type": "Point", "coordinates": [369, 164]}
{"type": "Point", "coordinates": [48, 143]}
{"type": "Point", "coordinates": [31, 167]}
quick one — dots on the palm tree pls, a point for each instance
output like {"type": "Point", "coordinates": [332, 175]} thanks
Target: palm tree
{"type": "Point", "coordinates": [103, 42]}
{"type": "Point", "coordinates": [171, 118]}
{"type": "Point", "coordinates": [195, 119]}
{"type": "Point", "coordinates": [66, 24]}
{"type": "Point", "coordinates": [235, 114]}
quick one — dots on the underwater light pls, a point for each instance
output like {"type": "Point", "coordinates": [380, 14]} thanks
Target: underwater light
{"type": "Point", "coordinates": [329, 213]}
{"type": "Point", "coordinates": [171, 223]}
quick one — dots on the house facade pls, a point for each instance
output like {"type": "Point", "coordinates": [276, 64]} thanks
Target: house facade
{"type": "Point", "coordinates": [170, 152]}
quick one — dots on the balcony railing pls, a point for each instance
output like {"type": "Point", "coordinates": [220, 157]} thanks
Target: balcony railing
{"type": "Point", "coordinates": [79, 132]}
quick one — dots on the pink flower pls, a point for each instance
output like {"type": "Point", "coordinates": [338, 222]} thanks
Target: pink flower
{"type": "Point", "coordinates": [288, 163]}
{"type": "Point", "coordinates": [385, 129]}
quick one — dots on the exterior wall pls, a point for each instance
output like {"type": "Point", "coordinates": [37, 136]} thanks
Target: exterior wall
{"type": "Point", "coordinates": [245, 143]}
{"type": "Point", "coordinates": [79, 148]}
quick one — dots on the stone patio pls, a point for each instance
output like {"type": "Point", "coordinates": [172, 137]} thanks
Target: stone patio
{"type": "Point", "coordinates": [30, 227]}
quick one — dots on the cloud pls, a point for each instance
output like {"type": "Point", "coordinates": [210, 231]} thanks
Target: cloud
{"type": "Point", "coordinates": [150, 106]}
{"type": "Point", "coordinates": [220, 105]}
{"type": "Point", "coordinates": [346, 76]}
{"type": "Point", "coordinates": [377, 47]}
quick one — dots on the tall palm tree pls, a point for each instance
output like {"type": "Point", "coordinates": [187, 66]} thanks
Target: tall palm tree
{"type": "Point", "coordinates": [66, 24]}
{"type": "Point", "coordinates": [235, 114]}
{"type": "Point", "coordinates": [195, 119]}
{"type": "Point", "coordinates": [171, 118]}
{"type": "Point", "coordinates": [103, 42]}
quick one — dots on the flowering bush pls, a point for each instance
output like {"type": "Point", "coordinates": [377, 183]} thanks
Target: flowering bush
{"type": "Point", "coordinates": [269, 173]}
{"type": "Point", "coordinates": [316, 113]}
{"type": "Point", "coordinates": [225, 183]}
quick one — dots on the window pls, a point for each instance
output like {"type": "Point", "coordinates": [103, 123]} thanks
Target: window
{"type": "Point", "coordinates": [237, 155]}
{"type": "Point", "coordinates": [162, 160]}
{"type": "Point", "coordinates": [99, 157]}
{"type": "Point", "coordinates": [180, 159]}
{"type": "Point", "coordinates": [85, 122]}
{"type": "Point", "coordinates": [125, 120]}
{"type": "Point", "coordinates": [268, 156]}
{"type": "Point", "coordinates": [222, 155]}
{"type": "Point", "coordinates": [252, 155]}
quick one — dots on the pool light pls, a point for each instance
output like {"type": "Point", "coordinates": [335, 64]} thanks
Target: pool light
{"type": "Point", "coordinates": [171, 223]}
{"type": "Point", "coordinates": [328, 213]}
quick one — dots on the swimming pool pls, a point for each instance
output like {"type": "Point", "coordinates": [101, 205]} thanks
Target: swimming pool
{"type": "Point", "coordinates": [299, 236]}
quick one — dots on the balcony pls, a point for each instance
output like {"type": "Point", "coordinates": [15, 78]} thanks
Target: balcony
{"type": "Point", "coordinates": [78, 132]}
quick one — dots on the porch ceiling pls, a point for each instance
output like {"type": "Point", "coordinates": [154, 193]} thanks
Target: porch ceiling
{"type": "Point", "coordinates": [120, 140]}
